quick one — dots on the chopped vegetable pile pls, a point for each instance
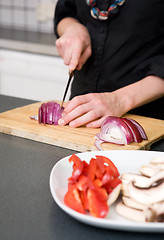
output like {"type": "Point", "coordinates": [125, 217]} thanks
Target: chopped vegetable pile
{"type": "Point", "coordinates": [91, 184]}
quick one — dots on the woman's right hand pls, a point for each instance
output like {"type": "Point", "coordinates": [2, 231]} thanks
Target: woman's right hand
{"type": "Point", "coordinates": [74, 44]}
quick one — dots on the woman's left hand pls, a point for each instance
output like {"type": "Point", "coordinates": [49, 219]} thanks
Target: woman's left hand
{"type": "Point", "coordinates": [91, 109]}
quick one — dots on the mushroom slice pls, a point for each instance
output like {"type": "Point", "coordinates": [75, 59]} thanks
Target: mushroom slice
{"type": "Point", "coordinates": [157, 160]}
{"type": "Point", "coordinates": [147, 196]}
{"type": "Point", "coordinates": [155, 212]}
{"type": "Point", "coordinates": [133, 177]}
{"type": "Point", "coordinates": [149, 170]}
{"type": "Point", "coordinates": [129, 202]}
{"type": "Point", "coordinates": [130, 213]}
{"type": "Point", "coordinates": [114, 195]}
{"type": "Point", "coordinates": [124, 188]}
{"type": "Point", "coordinates": [147, 183]}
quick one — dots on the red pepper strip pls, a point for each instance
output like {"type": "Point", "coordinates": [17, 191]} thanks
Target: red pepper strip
{"type": "Point", "coordinates": [112, 184]}
{"type": "Point", "coordinates": [85, 169]}
{"type": "Point", "coordinates": [108, 176]}
{"type": "Point", "coordinates": [101, 193]}
{"type": "Point", "coordinates": [77, 167]}
{"type": "Point", "coordinates": [84, 199]}
{"type": "Point", "coordinates": [72, 199]}
{"type": "Point", "coordinates": [97, 207]}
{"type": "Point", "coordinates": [92, 169]}
{"type": "Point", "coordinates": [97, 182]}
{"type": "Point", "coordinates": [98, 172]}
{"type": "Point", "coordinates": [110, 164]}
{"type": "Point", "coordinates": [82, 183]}
{"type": "Point", "coordinates": [100, 164]}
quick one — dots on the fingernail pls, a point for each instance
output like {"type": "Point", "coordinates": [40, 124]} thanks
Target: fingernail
{"type": "Point", "coordinates": [72, 124]}
{"type": "Point", "coordinates": [71, 67]}
{"type": "Point", "coordinates": [63, 114]}
{"type": "Point", "coordinates": [61, 122]}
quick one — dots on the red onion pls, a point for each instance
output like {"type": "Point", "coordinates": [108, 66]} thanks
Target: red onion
{"type": "Point", "coordinates": [136, 136]}
{"type": "Point", "coordinates": [50, 113]}
{"type": "Point", "coordinates": [120, 131]}
{"type": "Point", "coordinates": [140, 128]}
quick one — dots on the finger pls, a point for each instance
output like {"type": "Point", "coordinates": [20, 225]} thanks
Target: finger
{"type": "Point", "coordinates": [75, 113]}
{"type": "Point", "coordinates": [84, 119]}
{"type": "Point", "coordinates": [85, 55]}
{"type": "Point", "coordinates": [76, 54]}
{"type": "Point", "coordinates": [97, 123]}
{"type": "Point", "coordinates": [64, 50]}
{"type": "Point", "coordinates": [77, 101]}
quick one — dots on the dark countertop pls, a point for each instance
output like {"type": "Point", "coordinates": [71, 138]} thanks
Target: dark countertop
{"type": "Point", "coordinates": [27, 210]}
{"type": "Point", "coordinates": [28, 41]}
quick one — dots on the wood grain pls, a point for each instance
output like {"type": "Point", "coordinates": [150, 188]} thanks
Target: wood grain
{"type": "Point", "coordinates": [17, 122]}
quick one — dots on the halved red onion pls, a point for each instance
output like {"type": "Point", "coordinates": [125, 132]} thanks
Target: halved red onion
{"type": "Point", "coordinates": [50, 113]}
{"type": "Point", "coordinates": [119, 131]}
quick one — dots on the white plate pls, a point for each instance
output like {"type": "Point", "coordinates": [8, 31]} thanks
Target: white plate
{"type": "Point", "coordinates": [126, 161]}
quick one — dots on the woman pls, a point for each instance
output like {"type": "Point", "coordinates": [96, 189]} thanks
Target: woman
{"type": "Point", "coordinates": [117, 49]}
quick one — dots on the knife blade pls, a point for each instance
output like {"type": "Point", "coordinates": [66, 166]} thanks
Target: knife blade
{"type": "Point", "coordinates": [71, 74]}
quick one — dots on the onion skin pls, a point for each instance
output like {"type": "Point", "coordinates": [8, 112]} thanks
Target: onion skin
{"type": "Point", "coordinates": [129, 130]}
{"type": "Point", "coordinates": [50, 113]}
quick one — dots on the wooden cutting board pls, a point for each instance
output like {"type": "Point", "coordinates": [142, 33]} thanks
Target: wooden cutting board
{"type": "Point", "coordinates": [17, 122]}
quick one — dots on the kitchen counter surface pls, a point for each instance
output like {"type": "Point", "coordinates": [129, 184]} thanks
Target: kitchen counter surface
{"type": "Point", "coordinates": [28, 41]}
{"type": "Point", "coordinates": [27, 209]}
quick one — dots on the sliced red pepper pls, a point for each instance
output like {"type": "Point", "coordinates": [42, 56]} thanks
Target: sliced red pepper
{"type": "Point", "coordinates": [98, 173]}
{"type": "Point", "coordinates": [107, 177]}
{"type": "Point", "coordinates": [101, 193]}
{"type": "Point", "coordinates": [100, 164]}
{"type": "Point", "coordinates": [111, 165]}
{"type": "Point", "coordinates": [97, 207]}
{"type": "Point", "coordinates": [85, 169]}
{"type": "Point", "coordinates": [92, 169]}
{"type": "Point", "coordinates": [84, 199]}
{"type": "Point", "coordinates": [77, 167]}
{"type": "Point", "coordinates": [82, 183]}
{"type": "Point", "coordinates": [112, 184]}
{"type": "Point", "coordinates": [97, 182]}
{"type": "Point", "coordinates": [72, 199]}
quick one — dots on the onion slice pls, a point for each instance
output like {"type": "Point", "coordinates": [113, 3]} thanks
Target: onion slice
{"type": "Point", "coordinates": [50, 113]}
{"type": "Point", "coordinates": [140, 128]}
{"type": "Point", "coordinates": [120, 131]}
{"type": "Point", "coordinates": [136, 135]}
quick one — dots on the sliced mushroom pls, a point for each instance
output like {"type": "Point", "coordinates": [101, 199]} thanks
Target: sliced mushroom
{"type": "Point", "coordinates": [147, 195]}
{"type": "Point", "coordinates": [130, 213]}
{"type": "Point", "coordinates": [147, 183]}
{"type": "Point", "coordinates": [150, 170]}
{"type": "Point", "coordinates": [114, 195]}
{"type": "Point", "coordinates": [129, 202]}
{"type": "Point", "coordinates": [133, 177]}
{"type": "Point", "coordinates": [157, 160]}
{"type": "Point", "coordinates": [155, 212]}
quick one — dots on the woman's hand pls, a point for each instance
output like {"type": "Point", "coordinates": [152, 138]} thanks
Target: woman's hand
{"type": "Point", "coordinates": [74, 44]}
{"type": "Point", "coordinates": [91, 109]}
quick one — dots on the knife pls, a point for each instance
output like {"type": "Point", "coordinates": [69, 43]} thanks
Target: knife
{"type": "Point", "coordinates": [71, 74]}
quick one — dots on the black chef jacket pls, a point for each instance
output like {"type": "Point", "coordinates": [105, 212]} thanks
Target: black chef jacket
{"type": "Point", "coordinates": [126, 48]}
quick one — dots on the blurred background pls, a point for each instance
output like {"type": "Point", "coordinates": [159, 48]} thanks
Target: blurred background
{"type": "Point", "coordinates": [30, 66]}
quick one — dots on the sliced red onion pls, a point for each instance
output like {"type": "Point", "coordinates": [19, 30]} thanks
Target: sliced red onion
{"type": "Point", "coordinates": [119, 131]}
{"type": "Point", "coordinates": [50, 113]}
{"type": "Point", "coordinates": [140, 128]}
{"type": "Point", "coordinates": [136, 136]}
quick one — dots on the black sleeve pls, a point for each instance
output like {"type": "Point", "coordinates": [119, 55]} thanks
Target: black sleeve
{"type": "Point", "coordinates": [64, 8]}
{"type": "Point", "coordinates": [156, 67]}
